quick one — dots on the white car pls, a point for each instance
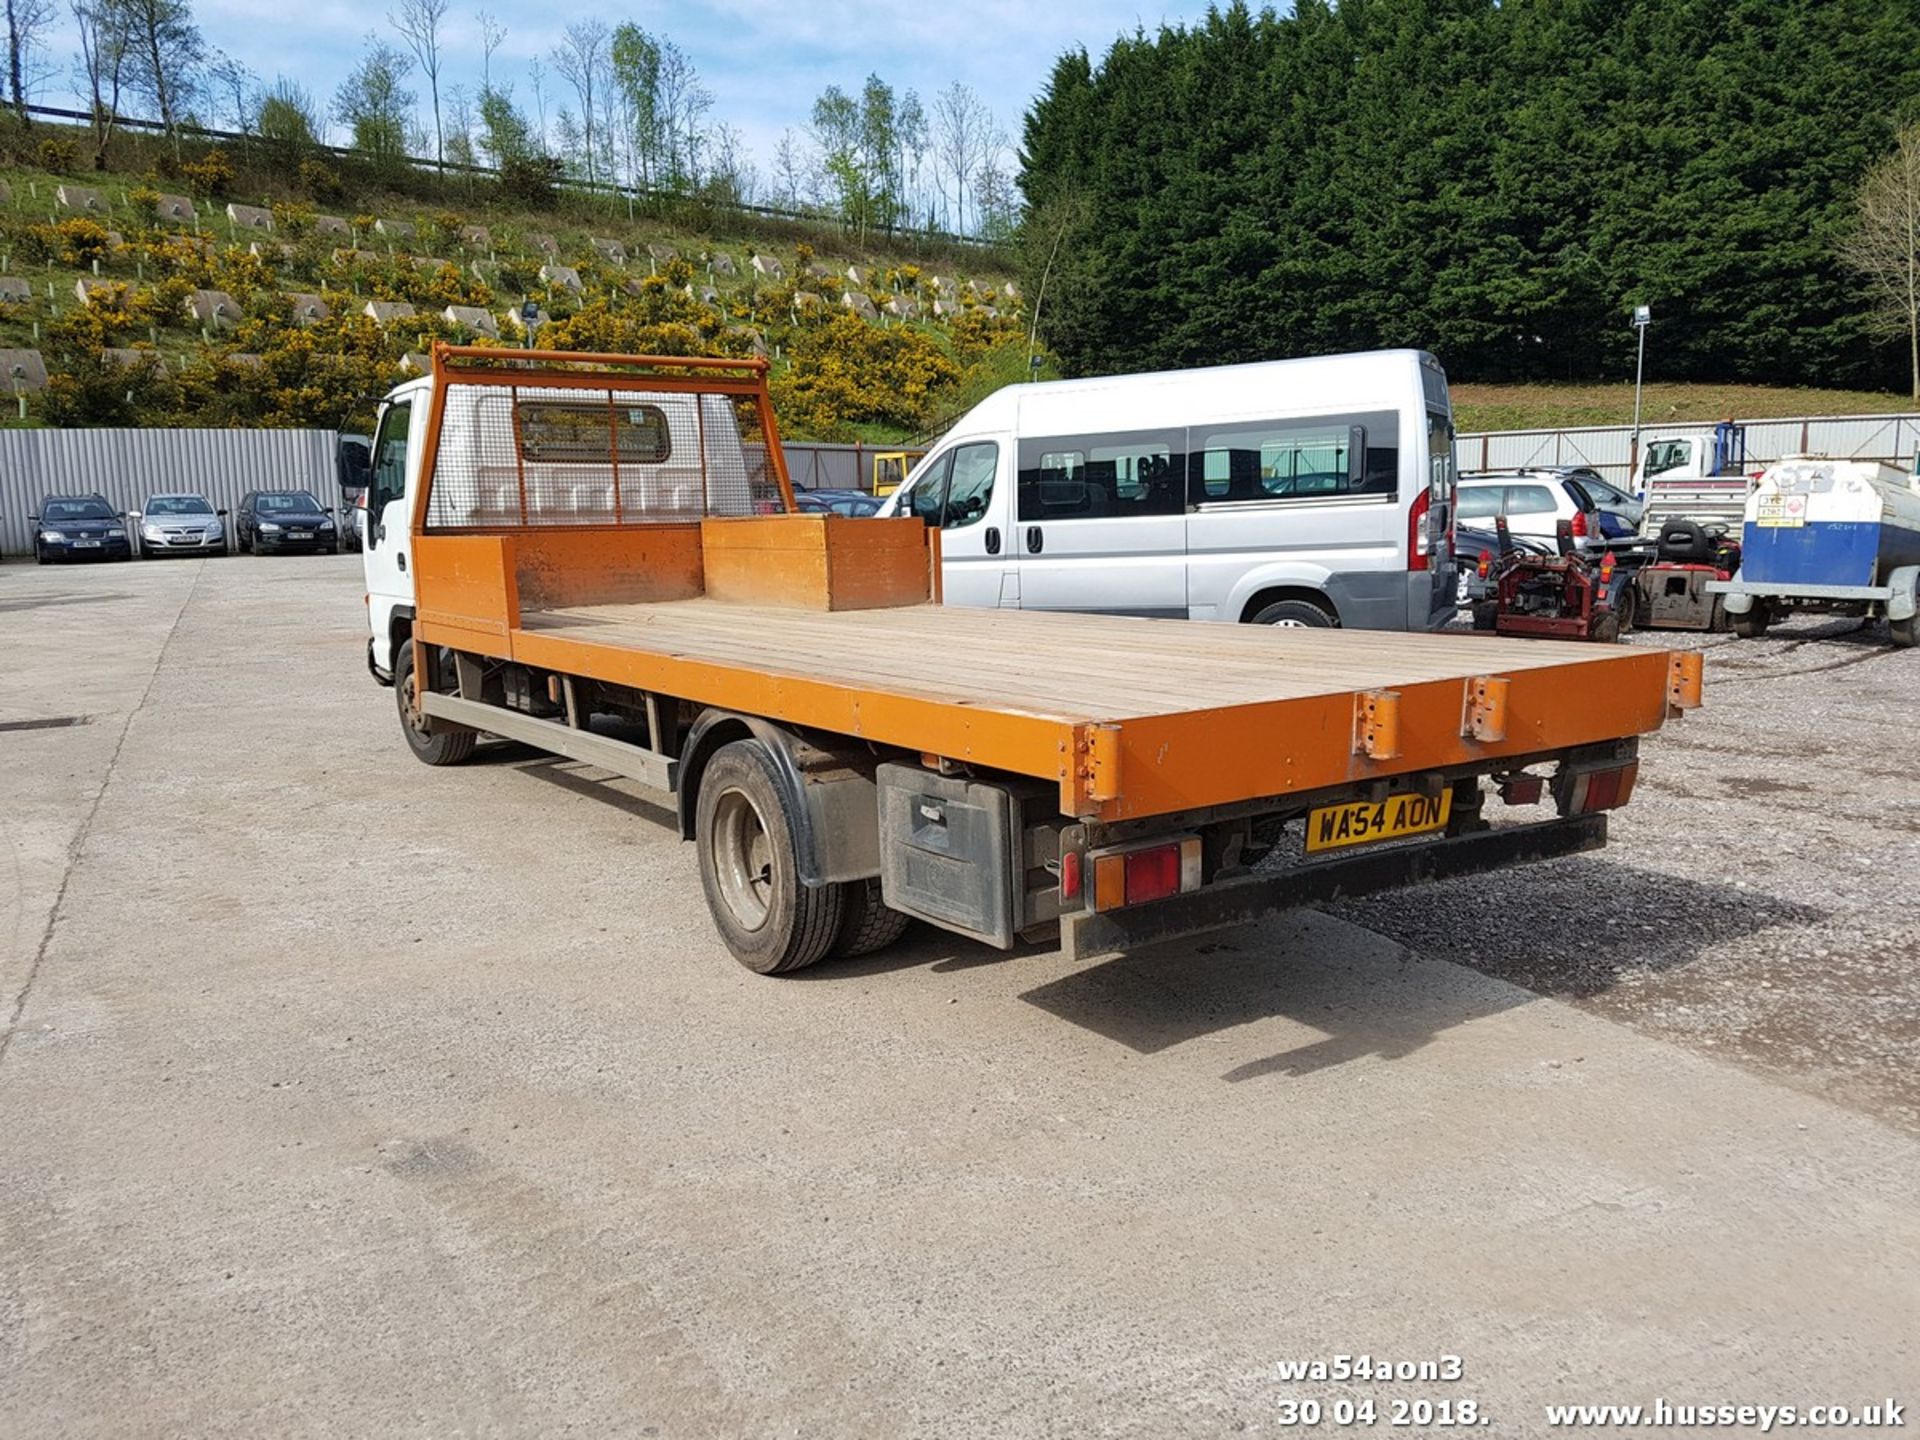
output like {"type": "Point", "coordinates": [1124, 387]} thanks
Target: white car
{"type": "Point", "coordinates": [1534, 504]}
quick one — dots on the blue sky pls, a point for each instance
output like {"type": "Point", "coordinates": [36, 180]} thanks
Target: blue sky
{"type": "Point", "coordinates": [764, 60]}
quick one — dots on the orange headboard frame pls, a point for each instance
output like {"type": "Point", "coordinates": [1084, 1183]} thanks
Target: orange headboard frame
{"type": "Point", "coordinates": [562, 369]}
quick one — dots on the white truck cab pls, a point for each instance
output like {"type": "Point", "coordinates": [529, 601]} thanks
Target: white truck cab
{"type": "Point", "coordinates": [392, 470]}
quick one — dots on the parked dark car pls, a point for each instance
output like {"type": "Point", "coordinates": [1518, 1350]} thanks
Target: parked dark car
{"type": "Point", "coordinates": [79, 527]}
{"type": "Point", "coordinates": [275, 521]}
{"type": "Point", "coordinates": [856, 503]}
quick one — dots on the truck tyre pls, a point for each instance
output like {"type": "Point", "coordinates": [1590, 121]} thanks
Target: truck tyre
{"type": "Point", "coordinates": [866, 924]}
{"type": "Point", "coordinates": [1626, 607]}
{"type": "Point", "coordinates": [1486, 615]}
{"type": "Point", "coordinates": [1753, 624]}
{"type": "Point", "coordinates": [743, 830]}
{"type": "Point", "coordinates": [1606, 630]}
{"type": "Point", "coordinates": [433, 747]}
{"type": "Point", "coordinates": [1906, 633]}
{"type": "Point", "coordinates": [1293, 615]}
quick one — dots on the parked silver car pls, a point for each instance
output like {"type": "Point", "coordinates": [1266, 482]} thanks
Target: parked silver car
{"type": "Point", "coordinates": [180, 523]}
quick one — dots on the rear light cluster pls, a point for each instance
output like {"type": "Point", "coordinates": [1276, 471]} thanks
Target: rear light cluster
{"type": "Point", "coordinates": [1135, 874]}
{"type": "Point", "coordinates": [1419, 544]}
{"type": "Point", "coordinates": [1577, 527]}
{"type": "Point", "coordinates": [1592, 790]}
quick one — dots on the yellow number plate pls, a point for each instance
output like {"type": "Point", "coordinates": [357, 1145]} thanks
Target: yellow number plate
{"type": "Point", "coordinates": [1333, 827]}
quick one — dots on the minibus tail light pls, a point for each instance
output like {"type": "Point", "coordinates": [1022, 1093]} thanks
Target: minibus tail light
{"type": "Point", "coordinates": [1418, 544]}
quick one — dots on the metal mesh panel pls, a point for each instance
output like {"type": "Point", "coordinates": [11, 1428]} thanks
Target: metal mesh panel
{"type": "Point", "coordinates": [514, 455]}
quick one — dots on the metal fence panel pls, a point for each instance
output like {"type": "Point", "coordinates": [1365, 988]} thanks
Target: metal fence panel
{"type": "Point", "coordinates": [1609, 448]}
{"type": "Point", "coordinates": [128, 465]}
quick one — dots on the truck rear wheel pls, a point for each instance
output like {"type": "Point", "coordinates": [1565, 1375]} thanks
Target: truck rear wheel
{"type": "Point", "coordinates": [771, 922]}
{"type": "Point", "coordinates": [866, 924]}
{"type": "Point", "coordinates": [1753, 624]}
{"type": "Point", "coordinates": [433, 746]}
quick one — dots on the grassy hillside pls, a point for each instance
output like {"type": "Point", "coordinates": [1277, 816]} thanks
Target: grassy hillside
{"type": "Point", "coordinates": [686, 283]}
{"type": "Point", "coordinates": [1543, 407]}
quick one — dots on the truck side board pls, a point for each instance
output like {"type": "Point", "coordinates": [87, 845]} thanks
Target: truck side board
{"type": "Point", "coordinates": [1128, 717]}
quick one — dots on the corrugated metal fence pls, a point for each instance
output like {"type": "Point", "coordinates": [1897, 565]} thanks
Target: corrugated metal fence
{"type": "Point", "coordinates": [1609, 449]}
{"type": "Point", "coordinates": [126, 466]}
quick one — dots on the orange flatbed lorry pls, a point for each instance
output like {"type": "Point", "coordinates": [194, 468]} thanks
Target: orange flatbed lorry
{"type": "Point", "coordinates": [598, 556]}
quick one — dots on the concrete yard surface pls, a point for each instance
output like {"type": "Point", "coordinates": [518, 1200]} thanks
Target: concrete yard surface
{"type": "Point", "coordinates": [344, 1096]}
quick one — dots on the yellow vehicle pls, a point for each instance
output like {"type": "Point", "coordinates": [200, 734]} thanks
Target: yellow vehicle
{"type": "Point", "coordinates": [890, 467]}
{"type": "Point", "coordinates": [557, 539]}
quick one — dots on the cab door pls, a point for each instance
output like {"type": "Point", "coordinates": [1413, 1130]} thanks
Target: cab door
{"type": "Point", "coordinates": [965, 492]}
{"type": "Point", "coordinates": [385, 558]}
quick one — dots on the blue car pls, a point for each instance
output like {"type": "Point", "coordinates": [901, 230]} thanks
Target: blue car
{"type": "Point", "coordinates": [79, 527]}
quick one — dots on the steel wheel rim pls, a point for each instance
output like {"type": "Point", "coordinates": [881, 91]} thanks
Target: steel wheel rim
{"type": "Point", "coordinates": [411, 714]}
{"type": "Point", "coordinates": [1288, 624]}
{"type": "Point", "coordinates": [743, 859]}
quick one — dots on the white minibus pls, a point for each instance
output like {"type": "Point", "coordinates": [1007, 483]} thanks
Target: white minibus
{"type": "Point", "coordinates": [1289, 492]}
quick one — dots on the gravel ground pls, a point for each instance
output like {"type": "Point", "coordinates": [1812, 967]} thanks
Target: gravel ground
{"type": "Point", "coordinates": [1757, 900]}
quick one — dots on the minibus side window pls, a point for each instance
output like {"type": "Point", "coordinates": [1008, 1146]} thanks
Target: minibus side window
{"type": "Point", "coordinates": [1320, 458]}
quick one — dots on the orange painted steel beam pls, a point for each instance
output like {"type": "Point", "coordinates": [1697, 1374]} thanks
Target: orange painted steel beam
{"type": "Point", "coordinates": [1150, 764]}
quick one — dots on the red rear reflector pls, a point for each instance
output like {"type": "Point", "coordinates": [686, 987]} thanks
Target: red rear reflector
{"type": "Point", "coordinates": [1153, 874]}
{"type": "Point", "coordinates": [1417, 544]}
{"type": "Point", "coordinates": [1070, 875]}
{"type": "Point", "coordinates": [1603, 789]}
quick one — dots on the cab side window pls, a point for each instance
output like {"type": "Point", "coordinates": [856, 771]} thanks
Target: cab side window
{"type": "Point", "coordinates": [971, 485]}
{"type": "Point", "coordinates": [957, 488]}
{"type": "Point", "coordinates": [390, 456]}
{"type": "Point", "coordinates": [928, 498]}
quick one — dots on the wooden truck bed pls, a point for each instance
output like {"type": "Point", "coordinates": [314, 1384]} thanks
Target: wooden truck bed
{"type": "Point", "coordinates": [1133, 717]}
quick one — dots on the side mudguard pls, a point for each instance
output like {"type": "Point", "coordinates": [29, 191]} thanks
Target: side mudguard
{"type": "Point", "coordinates": [831, 794]}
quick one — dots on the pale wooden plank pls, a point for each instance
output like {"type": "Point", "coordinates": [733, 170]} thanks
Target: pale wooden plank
{"type": "Point", "coordinates": [1093, 667]}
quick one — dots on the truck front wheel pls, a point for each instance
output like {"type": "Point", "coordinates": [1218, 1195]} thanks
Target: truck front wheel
{"type": "Point", "coordinates": [743, 829]}
{"type": "Point", "coordinates": [1906, 633]}
{"type": "Point", "coordinates": [434, 747]}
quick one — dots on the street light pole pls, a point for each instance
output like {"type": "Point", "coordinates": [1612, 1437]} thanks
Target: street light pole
{"type": "Point", "coordinates": [1642, 317]}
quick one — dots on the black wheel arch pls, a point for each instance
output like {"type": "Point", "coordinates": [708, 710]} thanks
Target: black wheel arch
{"type": "Point", "coordinates": [814, 781]}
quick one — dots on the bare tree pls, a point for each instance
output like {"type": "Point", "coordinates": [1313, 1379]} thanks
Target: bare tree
{"type": "Point", "coordinates": [684, 103]}
{"type": "Point", "coordinates": [106, 42]}
{"type": "Point", "coordinates": [961, 125]}
{"type": "Point", "coordinates": [164, 57]}
{"type": "Point", "coordinates": [581, 59]}
{"type": "Point", "coordinates": [492, 32]}
{"type": "Point", "coordinates": [792, 171]}
{"type": "Point", "coordinates": [418, 22]}
{"type": "Point", "coordinates": [26, 20]}
{"type": "Point", "coordinates": [538, 74]}
{"type": "Point", "coordinates": [238, 87]}
{"type": "Point", "coordinates": [1885, 244]}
